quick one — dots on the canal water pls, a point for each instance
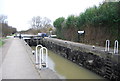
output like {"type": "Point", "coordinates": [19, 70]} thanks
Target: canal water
{"type": "Point", "coordinates": [67, 69]}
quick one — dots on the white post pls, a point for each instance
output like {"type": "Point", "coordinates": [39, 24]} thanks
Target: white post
{"type": "Point", "coordinates": [107, 45]}
{"type": "Point", "coordinates": [116, 47]}
{"type": "Point", "coordinates": [36, 55]}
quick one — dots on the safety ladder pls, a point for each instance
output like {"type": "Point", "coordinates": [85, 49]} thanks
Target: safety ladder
{"type": "Point", "coordinates": [43, 56]}
{"type": "Point", "coordinates": [107, 45]}
{"type": "Point", "coordinates": [108, 66]}
{"type": "Point", "coordinates": [41, 59]}
{"type": "Point", "coordinates": [36, 53]}
{"type": "Point", "coordinates": [116, 47]}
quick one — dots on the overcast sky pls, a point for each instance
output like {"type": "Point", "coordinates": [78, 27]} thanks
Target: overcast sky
{"type": "Point", "coordinates": [20, 12]}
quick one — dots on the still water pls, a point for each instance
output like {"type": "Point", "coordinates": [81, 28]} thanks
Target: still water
{"type": "Point", "coordinates": [68, 70]}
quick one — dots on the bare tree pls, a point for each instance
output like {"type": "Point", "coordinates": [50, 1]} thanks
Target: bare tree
{"type": "Point", "coordinates": [33, 22]}
{"type": "Point", "coordinates": [38, 22]}
{"type": "Point", "coordinates": [46, 22]}
{"type": "Point", "coordinates": [5, 29]}
{"type": "Point", "coordinates": [3, 18]}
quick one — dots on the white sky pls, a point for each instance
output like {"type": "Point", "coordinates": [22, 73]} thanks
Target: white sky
{"type": "Point", "coordinates": [20, 12]}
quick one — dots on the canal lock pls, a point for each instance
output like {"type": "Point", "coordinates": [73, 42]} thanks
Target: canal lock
{"type": "Point", "coordinates": [104, 67]}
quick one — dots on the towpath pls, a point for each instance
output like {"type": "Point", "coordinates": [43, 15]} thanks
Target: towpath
{"type": "Point", "coordinates": [16, 63]}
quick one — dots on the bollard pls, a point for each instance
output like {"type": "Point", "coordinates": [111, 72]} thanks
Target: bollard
{"type": "Point", "coordinates": [107, 46]}
{"type": "Point", "coordinates": [116, 47]}
{"type": "Point", "coordinates": [93, 47]}
{"type": "Point", "coordinates": [33, 52]}
{"type": "Point", "coordinates": [36, 55]}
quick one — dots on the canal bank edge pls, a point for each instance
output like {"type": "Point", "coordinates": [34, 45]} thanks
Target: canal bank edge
{"type": "Point", "coordinates": [104, 64]}
{"type": "Point", "coordinates": [44, 73]}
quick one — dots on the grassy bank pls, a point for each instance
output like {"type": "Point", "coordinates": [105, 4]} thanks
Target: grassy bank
{"type": "Point", "coordinates": [1, 42]}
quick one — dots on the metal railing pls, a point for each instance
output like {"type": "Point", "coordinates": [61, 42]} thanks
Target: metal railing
{"type": "Point", "coordinates": [116, 47]}
{"type": "Point", "coordinates": [36, 53]}
{"type": "Point", "coordinates": [43, 58]}
{"type": "Point", "coordinates": [107, 45]}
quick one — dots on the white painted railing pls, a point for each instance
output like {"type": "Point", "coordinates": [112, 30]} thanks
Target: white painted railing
{"type": "Point", "coordinates": [107, 45]}
{"type": "Point", "coordinates": [43, 57]}
{"type": "Point", "coordinates": [36, 53]}
{"type": "Point", "coordinates": [116, 47]}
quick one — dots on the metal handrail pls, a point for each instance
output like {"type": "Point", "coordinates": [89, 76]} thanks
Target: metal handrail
{"type": "Point", "coordinates": [41, 57]}
{"type": "Point", "coordinates": [36, 54]}
{"type": "Point", "coordinates": [107, 45]}
{"type": "Point", "coordinates": [40, 61]}
{"type": "Point", "coordinates": [116, 47]}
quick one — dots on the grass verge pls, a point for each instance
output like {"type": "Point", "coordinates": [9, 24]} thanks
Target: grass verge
{"type": "Point", "coordinates": [1, 42]}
